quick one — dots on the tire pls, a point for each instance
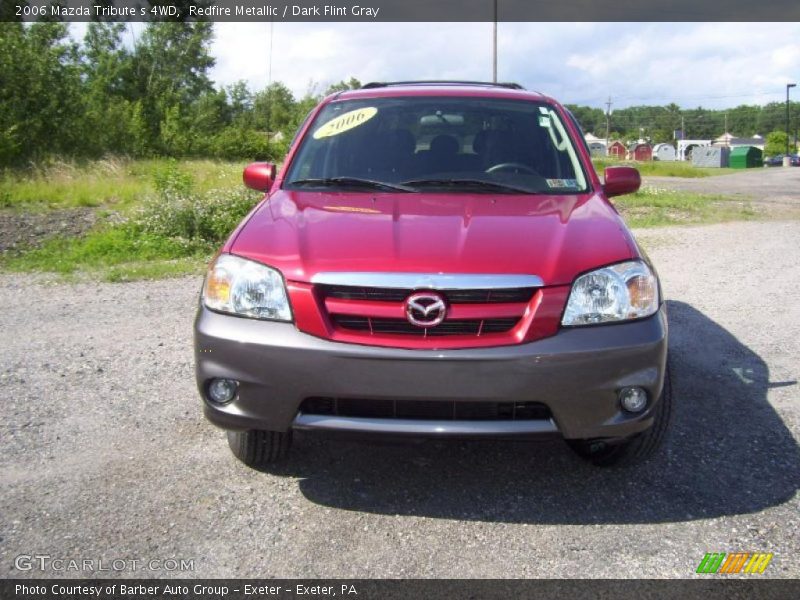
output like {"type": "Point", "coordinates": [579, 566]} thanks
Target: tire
{"type": "Point", "coordinates": [258, 449]}
{"type": "Point", "coordinates": [635, 449]}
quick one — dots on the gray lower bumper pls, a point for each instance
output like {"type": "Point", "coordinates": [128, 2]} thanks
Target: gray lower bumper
{"type": "Point", "coordinates": [426, 428]}
{"type": "Point", "coordinates": [576, 373]}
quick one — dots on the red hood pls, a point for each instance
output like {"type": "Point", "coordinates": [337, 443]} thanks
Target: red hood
{"type": "Point", "coordinates": [554, 237]}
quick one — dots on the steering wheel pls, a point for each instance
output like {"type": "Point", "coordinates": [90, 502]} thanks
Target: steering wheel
{"type": "Point", "coordinates": [511, 166]}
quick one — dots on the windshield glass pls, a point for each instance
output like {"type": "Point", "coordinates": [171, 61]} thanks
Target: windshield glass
{"type": "Point", "coordinates": [432, 143]}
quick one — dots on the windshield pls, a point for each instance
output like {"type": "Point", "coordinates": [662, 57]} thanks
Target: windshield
{"type": "Point", "coordinates": [406, 144]}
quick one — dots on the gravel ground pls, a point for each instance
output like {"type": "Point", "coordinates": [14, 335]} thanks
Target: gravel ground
{"type": "Point", "coordinates": [772, 185]}
{"type": "Point", "coordinates": [23, 229]}
{"type": "Point", "coordinates": [104, 452]}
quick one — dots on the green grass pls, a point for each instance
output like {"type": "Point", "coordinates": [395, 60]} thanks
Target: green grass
{"type": "Point", "coordinates": [653, 207]}
{"type": "Point", "coordinates": [113, 253]}
{"type": "Point", "coordinates": [172, 216]}
{"type": "Point", "coordinates": [114, 183]}
{"type": "Point", "coordinates": [661, 169]}
{"type": "Point", "coordinates": [160, 269]}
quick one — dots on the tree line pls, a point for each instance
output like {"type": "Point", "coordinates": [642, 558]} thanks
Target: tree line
{"type": "Point", "coordinates": [659, 123]}
{"type": "Point", "coordinates": [143, 97]}
{"type": "Point", "coordinates": [152, 96]}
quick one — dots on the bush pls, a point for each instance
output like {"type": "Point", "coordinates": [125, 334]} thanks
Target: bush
{"type": "Point", "coordinates": [200, 220]}
{"type": "Point", "coordinates": [234, 143]}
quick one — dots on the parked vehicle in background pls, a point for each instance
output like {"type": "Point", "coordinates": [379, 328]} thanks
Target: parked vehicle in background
{"type": "Point", "coordinates": [436, 259]}
{"type": "Point", "coordinates": [777, 161]}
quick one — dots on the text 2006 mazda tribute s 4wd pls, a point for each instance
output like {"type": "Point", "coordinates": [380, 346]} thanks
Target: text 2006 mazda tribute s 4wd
{"type": "Point", "coordinates": [436, 259]}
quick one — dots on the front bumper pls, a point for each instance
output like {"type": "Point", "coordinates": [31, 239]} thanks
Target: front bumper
{"type": "Point", "coordinates": [576, 373]}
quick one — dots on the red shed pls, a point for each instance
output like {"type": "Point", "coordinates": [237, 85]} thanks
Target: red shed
{"type": "Point", "coordinates": [617, 150]}
{"type": "Point", "coordinates": [640, 152]}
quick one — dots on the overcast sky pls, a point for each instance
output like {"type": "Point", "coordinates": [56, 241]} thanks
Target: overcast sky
{"type": "Point", "coordinates": [714, 65]}
{"type": "Point", "coordinates": [709, 64]}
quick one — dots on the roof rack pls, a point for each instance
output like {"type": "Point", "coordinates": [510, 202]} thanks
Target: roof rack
{"type": "Point", "coordinates": [380, 84]}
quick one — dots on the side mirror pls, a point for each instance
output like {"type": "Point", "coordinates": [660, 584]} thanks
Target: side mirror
{"type": "Point", "coordinates": [621, 180]}
{"type": "Point", "coordinates": [259, 176]}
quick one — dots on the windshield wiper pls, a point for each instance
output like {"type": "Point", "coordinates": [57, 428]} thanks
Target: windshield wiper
{"type": "Point", "coordinates": [476, 183]}
{"type": "Point", "coordinates": [352, 182]}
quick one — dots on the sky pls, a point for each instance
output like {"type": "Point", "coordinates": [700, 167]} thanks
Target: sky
{"type": "Point", "coordinates": [714, 65]}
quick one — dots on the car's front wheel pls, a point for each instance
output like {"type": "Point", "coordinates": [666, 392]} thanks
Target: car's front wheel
{"type": "Point", "coordinates": [258, 449]}
{"type": "Point", "coordinates": [636, 449]}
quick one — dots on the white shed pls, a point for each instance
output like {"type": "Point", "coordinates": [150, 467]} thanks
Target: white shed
{"type": "Point", "coordinates": [685, 147]}
{"type": "Point", "coordinates": [597, 148]}
{"type": "Point", "coordinates": [664, 152]}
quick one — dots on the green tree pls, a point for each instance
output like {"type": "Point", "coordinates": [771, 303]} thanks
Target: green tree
{"type": "Point", "coordinates": [775, 143]}
{"type": "Point", "coordinates": [343, 86]}
{"type": "Point", "coordinates": [274, 108]}
{"type": "Point", "coordinates": [107, 74]}
{"type": "Point", "coordinates": [40, 95]}
{"type": "Point", "coordinates": [170, 67]}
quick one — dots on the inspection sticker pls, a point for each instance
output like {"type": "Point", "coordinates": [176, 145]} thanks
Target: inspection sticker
{"type": "Point", "coordinates": [562, 183]}
{"type": "Point", "coordinates": [544, 121]}
{"type": "Point", "coordinates": [345, 122]}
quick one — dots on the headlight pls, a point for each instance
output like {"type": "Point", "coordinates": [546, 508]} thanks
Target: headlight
{"type": "Point", "coordinates": [243, 287]}
{"type": "Point", "coordinates": [620, 292]}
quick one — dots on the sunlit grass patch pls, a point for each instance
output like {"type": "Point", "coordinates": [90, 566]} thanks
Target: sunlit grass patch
{"type": "Point", "coordinates": [117, 183]}
{"type": "Point", "coordinates": [661, 168]}
{"type": "Point", "coordinates": [654, 207]}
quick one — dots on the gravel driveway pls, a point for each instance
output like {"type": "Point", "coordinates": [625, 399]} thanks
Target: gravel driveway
{"type": "Point", "coordinates": [105, 454]}
{"type": "Point", "coordinates": [775, 185]}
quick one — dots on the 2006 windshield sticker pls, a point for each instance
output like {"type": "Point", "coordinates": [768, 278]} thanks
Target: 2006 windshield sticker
{"type": "Point", "coordinates": [345, 122]}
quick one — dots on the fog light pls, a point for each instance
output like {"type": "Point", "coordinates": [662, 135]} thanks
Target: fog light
{"type": "Point", "coordinates": [222, 391]}
{"type": "Point", "coordinates": [633, 399]}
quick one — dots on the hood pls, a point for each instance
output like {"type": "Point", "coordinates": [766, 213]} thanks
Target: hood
{"type": "Point", "coordinates": [554, 237]}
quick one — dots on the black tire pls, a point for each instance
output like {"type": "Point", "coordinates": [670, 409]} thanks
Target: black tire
{"type": "Point", "coordinates": [636, 449]}
{"type": "Point", "coordinates": [259, 449]}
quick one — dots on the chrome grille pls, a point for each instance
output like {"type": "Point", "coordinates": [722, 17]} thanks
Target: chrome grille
{"type": "Point", "coordinates": [484, 296]}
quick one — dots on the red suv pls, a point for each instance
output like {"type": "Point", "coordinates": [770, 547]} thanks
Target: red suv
{"type": "Point", "coordinates": [436, 259]}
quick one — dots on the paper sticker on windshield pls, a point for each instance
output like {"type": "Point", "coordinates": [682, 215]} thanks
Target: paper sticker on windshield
{"type": "Point", "coordinates": [562, 183]}
{"type": "Point", "coordinates": [544, 121]}
{"type": "Point", "coordinates": [345, 122]}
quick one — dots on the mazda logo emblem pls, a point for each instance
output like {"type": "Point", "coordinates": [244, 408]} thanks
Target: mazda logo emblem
{"type": "Point", "coordinates": [425, 309]}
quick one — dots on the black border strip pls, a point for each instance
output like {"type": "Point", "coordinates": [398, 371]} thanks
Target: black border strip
{"type": "Point", "coordinates": [708, 587]}
{"type": "Point", "coordinates": [403, 10]}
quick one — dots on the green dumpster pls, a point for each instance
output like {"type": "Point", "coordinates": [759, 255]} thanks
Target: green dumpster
{"type": "Point", "coordinates": [745, 157]}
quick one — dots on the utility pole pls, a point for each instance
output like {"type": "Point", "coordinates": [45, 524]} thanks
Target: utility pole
{"type": "Point", "coordinates": [494, 45]}
{"type": "Point", "coordinates": [269, 79]}
{"type": "Point", "coordinates": [788, 87]}
{"type": "Point", "coordinates": [608, 122]}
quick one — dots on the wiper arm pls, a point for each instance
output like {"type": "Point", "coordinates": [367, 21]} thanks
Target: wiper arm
{"type": "Point", "coordinates": [480, 183]}
{"type": "Point", "coordinates": [352, 181]}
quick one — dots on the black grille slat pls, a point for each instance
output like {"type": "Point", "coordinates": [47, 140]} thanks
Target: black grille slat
{"type": "Point", "coordinates": [438, 410]}
{"type": "Point", "coordinates": [509, 295]}
{"type": "Point", "coordinates": [402, 326]}
{"type": "Point", "coordinates": [498, 325]}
